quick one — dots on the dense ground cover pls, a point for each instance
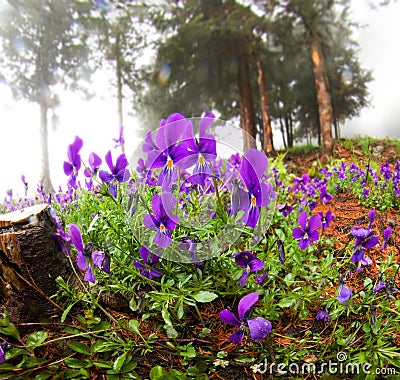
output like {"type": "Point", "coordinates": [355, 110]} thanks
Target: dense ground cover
{"type": "Point", "coordinates": [193, 266]}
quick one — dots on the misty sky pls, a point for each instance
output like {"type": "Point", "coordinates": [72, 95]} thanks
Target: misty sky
{"type": "Point", "coordinates": [96, 123]}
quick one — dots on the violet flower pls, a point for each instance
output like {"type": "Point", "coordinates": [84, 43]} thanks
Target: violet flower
{"type": "Point", "coordinates": [25, 185]}
{"type": "Point", "coordinates": [285, 209]}
{"type": "Point", "coordinates": [307, 233]}
{"type": "Point", "coordinates": [118, 173]}
{"type": "Point", "coordinates": [161, 221]}
{"type": "Point", "coordinates": [2, 353]}
{"type": "Point", "coordinates": [120, 141]}
{"type": "Point", "coordinates": [148, 263]}
{"type": "Point", "coordinates": [322, 315]}
{"type": "Point", "coordinates": [259, 327]}
{"type": "Point", "coordinates": [344, 293]}
{"type": "Point", "coordinates": [380, 285]}
{"type": "Point", "coordinates": [250, 264]}
{"type": "Point", "coordinates": [71, 167]}
{"type": "Point", "coordinates": [324, 196]}
{"type": "Point", "coordinates": [168, 154]}
{"type": "Point", "coordinates": [326, 219]}
{"type": "Point", "coordinates": [254, 164]}
{"type": "Point", "coordinates": [89, 172]}
{"type": "Point", "coordinates": [386, 236]}
{"type": "Point", "coordinates": [281, 250]}
{"type": "Point", "coordinates": [87, 258]}
{"type": "Point", "coordinates": [365, 238]}
{"type": "Point", "coordinates": [202, 151]}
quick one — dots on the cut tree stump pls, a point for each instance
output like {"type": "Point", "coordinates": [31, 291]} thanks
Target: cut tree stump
{"type": "Point", "coordinates": [30, 261]}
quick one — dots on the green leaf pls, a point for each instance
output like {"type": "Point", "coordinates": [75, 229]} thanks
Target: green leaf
{"type": "Point", "coordinates": [171, 332]}
{"type": "Point", "coordinates": [43, 376]}
{"type": "Point", "coordinates": [205, 296]}
{"type": "Point", "coordinates": [8, 328]}
{"type": "Point", "coordinates": [134, 326]}
{"type": "Point", "coordinates": [36, 339]}
{"type": "Point", "coordinates": [119, 362]}
{"type": "Point", "coordinates": [66, 311]}
{"type": "Point", "coordinates": [80, 347]}
{"type": "Point", "coordinates": [286, 302]}
{"type": "Point", "coordinates": [73, 363]}
{"type": "Point", "coordinates": [156, 373]}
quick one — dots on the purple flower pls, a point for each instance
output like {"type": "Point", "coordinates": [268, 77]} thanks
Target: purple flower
{"type": "Point", "coordinates": [148, 263]}
{"type": "Point", "coordinates": [72, 166]}
{"type": "Point", "coordinates": [89, 172]}
{"type": "Point", "coordinates": [201, 151]}
{"type": "Point", "coordinates": [250, 264]}
{"type": "Point", "coordinates": [324, 196]}
{"type": "Point", "coordinates": [252, 169]}
{"type": "Point", "coordinates": [281, 250]}
{"type": "Point", "coordinates": [167, 153]}
{"type": "Point", "coordinates": [344, 293]}
{"type": "Point", "coordinates": [86, 256]}
{"type": "Point", "coordinates": [285, 209]}
{"type": "Point", "coordinates": [365, 192]}
{"type": "Point", "coordinates": [260, 279]}
{"type": "Point", "coordinates": [380, 285]}
{"type": "Point", "coordinates": [307, 233]}
{"type": "Point", "coordinates": [326, 219]}
{"type": "Point", "coordinates": [365, 238]}
{"type": "Point", "coordinates": [2, 353]}
{"type": "Point", "coordinates": [118, 173]}
{"type": "Point", "coordinates": [386, 236]}
{"type": "Point", "coordinates": [25, 184]}
{"type": "Point", "coordinates": [322, 315]}
{"type": "Point", "coordinates": [259, 327]}
{"type": "Point", "coordinates": [120, 141]}
{"type": "Point", "coordinates": [64, 241]}
{"type": "Point", "coordinates": [162, 221]}
{"type": "Point", "coordinates": [365, 261]}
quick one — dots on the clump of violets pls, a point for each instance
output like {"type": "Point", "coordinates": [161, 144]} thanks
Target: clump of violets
{"type": "Point", "coordinates": [72, 166]}
{"type": "Point", "coordinates": [259, 327]}
{"type": "Point", "coordinates": [162, 220]}
{"type": "Point", "coordinates": [307, 233]}
{"type": "Point", "coordinates": [250, 264]}
{"type": "Point", "coordinates": [118, 173]}
{"type": "Point", "coordinates": [87, 257]}
{"type": "Point", "coordinates": [147, 264]}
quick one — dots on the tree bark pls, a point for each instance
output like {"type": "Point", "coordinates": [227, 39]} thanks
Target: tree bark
{"type": "Point", "coordinates": [30, 261]}
{"type": "Point", "coordinates": [323, 97]}
{"type": "Point", "coordinates": [247, 118]}
{"type": "Point", "coordinates": [45, 176]}
{"type": "Point", "coordinates": [268, 144]}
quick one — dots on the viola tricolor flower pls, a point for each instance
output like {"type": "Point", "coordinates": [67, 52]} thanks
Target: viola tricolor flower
{"type": "Point", "coordinates": [322, 315]}
{"type": "Point", "coordinates": [148, 263]}
{"type": "Point", "coordinates": [118, 173]}
{"type": "Point", "coordinates": [324, 196]}
{"type": "Point", "coordinates": [344, 293]}
{"type": "Point", "coordinates": [162, 221]}
{"type": "Point", "coordinates": [87, 258]}
{"type": "Point", "coordinates": [259, 327]}
{"type": "Point", "coordinates": [386, 235]}
{"type": "Point", "coordinates": [365, 238]}
{"type": "Point", "coordinates": [201, 151]}
{"type": "Point", "coordinates": [71, 167]}
{"type": "Point", "coordinates": [120, 141]}
{"type": "Point", "coordinates": [2, 353]}
{"type": "Point", "coordinates": [250, 264]}
{"type": "Point", "coordinates": [281, 250]}
{"type": "Point", "coordinates": [285, 209]}
{"type": "Point", "coordinates": [380, 285]}
{"type": "Point", "coordinates": [94, 163]}
{"type": "Point", "coordinates": [167, 153]}
{"type": "Point", "coordinates": [326, 219]}
{"type": "Point", "coordinates": [307, 233]}
{"type": "Point", "coordinates": [253, 166]}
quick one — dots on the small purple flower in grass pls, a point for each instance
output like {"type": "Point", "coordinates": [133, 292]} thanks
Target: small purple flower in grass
{"type": "Point", "coordinates": [386, 236]}
{"type": "Point", "coordinates": [324, 196]}
{"type": "Point", "coordinates": [87, 258]}
{"type": "Point", "coordinates": [307, 233]}
{"type": "Point", "coordinates": [162, 221]}
{"type": "Point", "coordinates": [259, 327]}
{"type": "Point", "coordinates": [380, 285]}
{"type": "Point", "coordinates": [253, 166]}
{"type": "Point", "coordinates": [365, 238]}
{"type": "Point", "coordinates": [118, 173]}
{"type": "Point", "coordinates": [322, 315]}
{"type": "Point", "coordinates": [71, 167]}
{"type": "Point", "coordinates": [281, 250]}
{"type": "Point", "coordinates": [2, 353]}
{"type": "Point", "coordinates": [285, 209]}
{"type": "Point", "coordinates": [344, 293]}
{"type": "Point", "coordinates": [89, 172]}
{"type": "Point", "coordinates": [365, 261]}
{"type": "Point", "coordinates": [260, 279]}
{"type": "Point", "coordinates": [25, 185]}
{"type": "Point", "coordinates": [250, 264]}
{"type": "Point", "coordinates": [371, 216]}
{"type": "Point", "coordinates": [326, 219]}
{"type": "Point", "coordinates": [148, 263]}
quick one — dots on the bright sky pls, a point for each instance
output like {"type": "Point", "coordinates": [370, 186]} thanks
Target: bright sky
{"type": "Point", "coordinates": [96, 121]}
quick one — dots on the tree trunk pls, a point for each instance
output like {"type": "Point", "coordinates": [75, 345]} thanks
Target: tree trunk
{"type": "Point", "coordinates": [247, 118]}
{"type": "Point", "coordinates": [283, 132]}
{"type": "Point", "coordinates": [323, 97]}
{"type": "Point", "coordinates": [45, 176]}
{"type": "Point", "coordinates": [119, 85]}
{"type": "Point", "coordinates": [30, 261]}
{"type": "Point", "coordinates": [268, 145]}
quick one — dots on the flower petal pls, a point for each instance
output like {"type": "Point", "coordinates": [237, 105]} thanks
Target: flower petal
{"type": "Point", "coordinates": [228, 317]}
{"type": "Point", "coordinates": [246, 303]}
{"type": "Point", "coordinates": [105, 176]}
{"type": "Point", "coordinates": [89, 276]}
{"type": "Point", "coordinates": [76, 237]}
{"type": "Point", "coordinates": [237, 336]}
{"type": "Point", "coordinates": [151, 222]}
{"type": "Point", "coordinates": [121, 163]}
{"type": "Point", "coordinates": [259, 328]}
{"type": "Point", "coordinates": [314, 223]}
{"type": "Point", "coordinates": [256, 265]}
{"type": "Point", "coordinates": [109, 161]}
{"type": "Point", "coordinates": [297, 233]}
{"type": "Point", "coordinates": [81, 261]}
{"type": "Point", "coordinates": [162, 239]}
{"type": "Point", "coordinates": [302, 219]}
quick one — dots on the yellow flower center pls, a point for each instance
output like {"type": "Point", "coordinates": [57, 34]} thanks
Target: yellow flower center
{"type": "Point", "coordinates": [253, 200]}
{"type": "Point", "coordinates": [170, 163]}
{"type": "Point", "coordinates": [201, 160]}
{"type": "Point", "coordinates": [162, 228]}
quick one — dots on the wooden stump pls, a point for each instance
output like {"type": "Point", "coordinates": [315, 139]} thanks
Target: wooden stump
{"type": "Point", "coordinates": [30, 261]}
